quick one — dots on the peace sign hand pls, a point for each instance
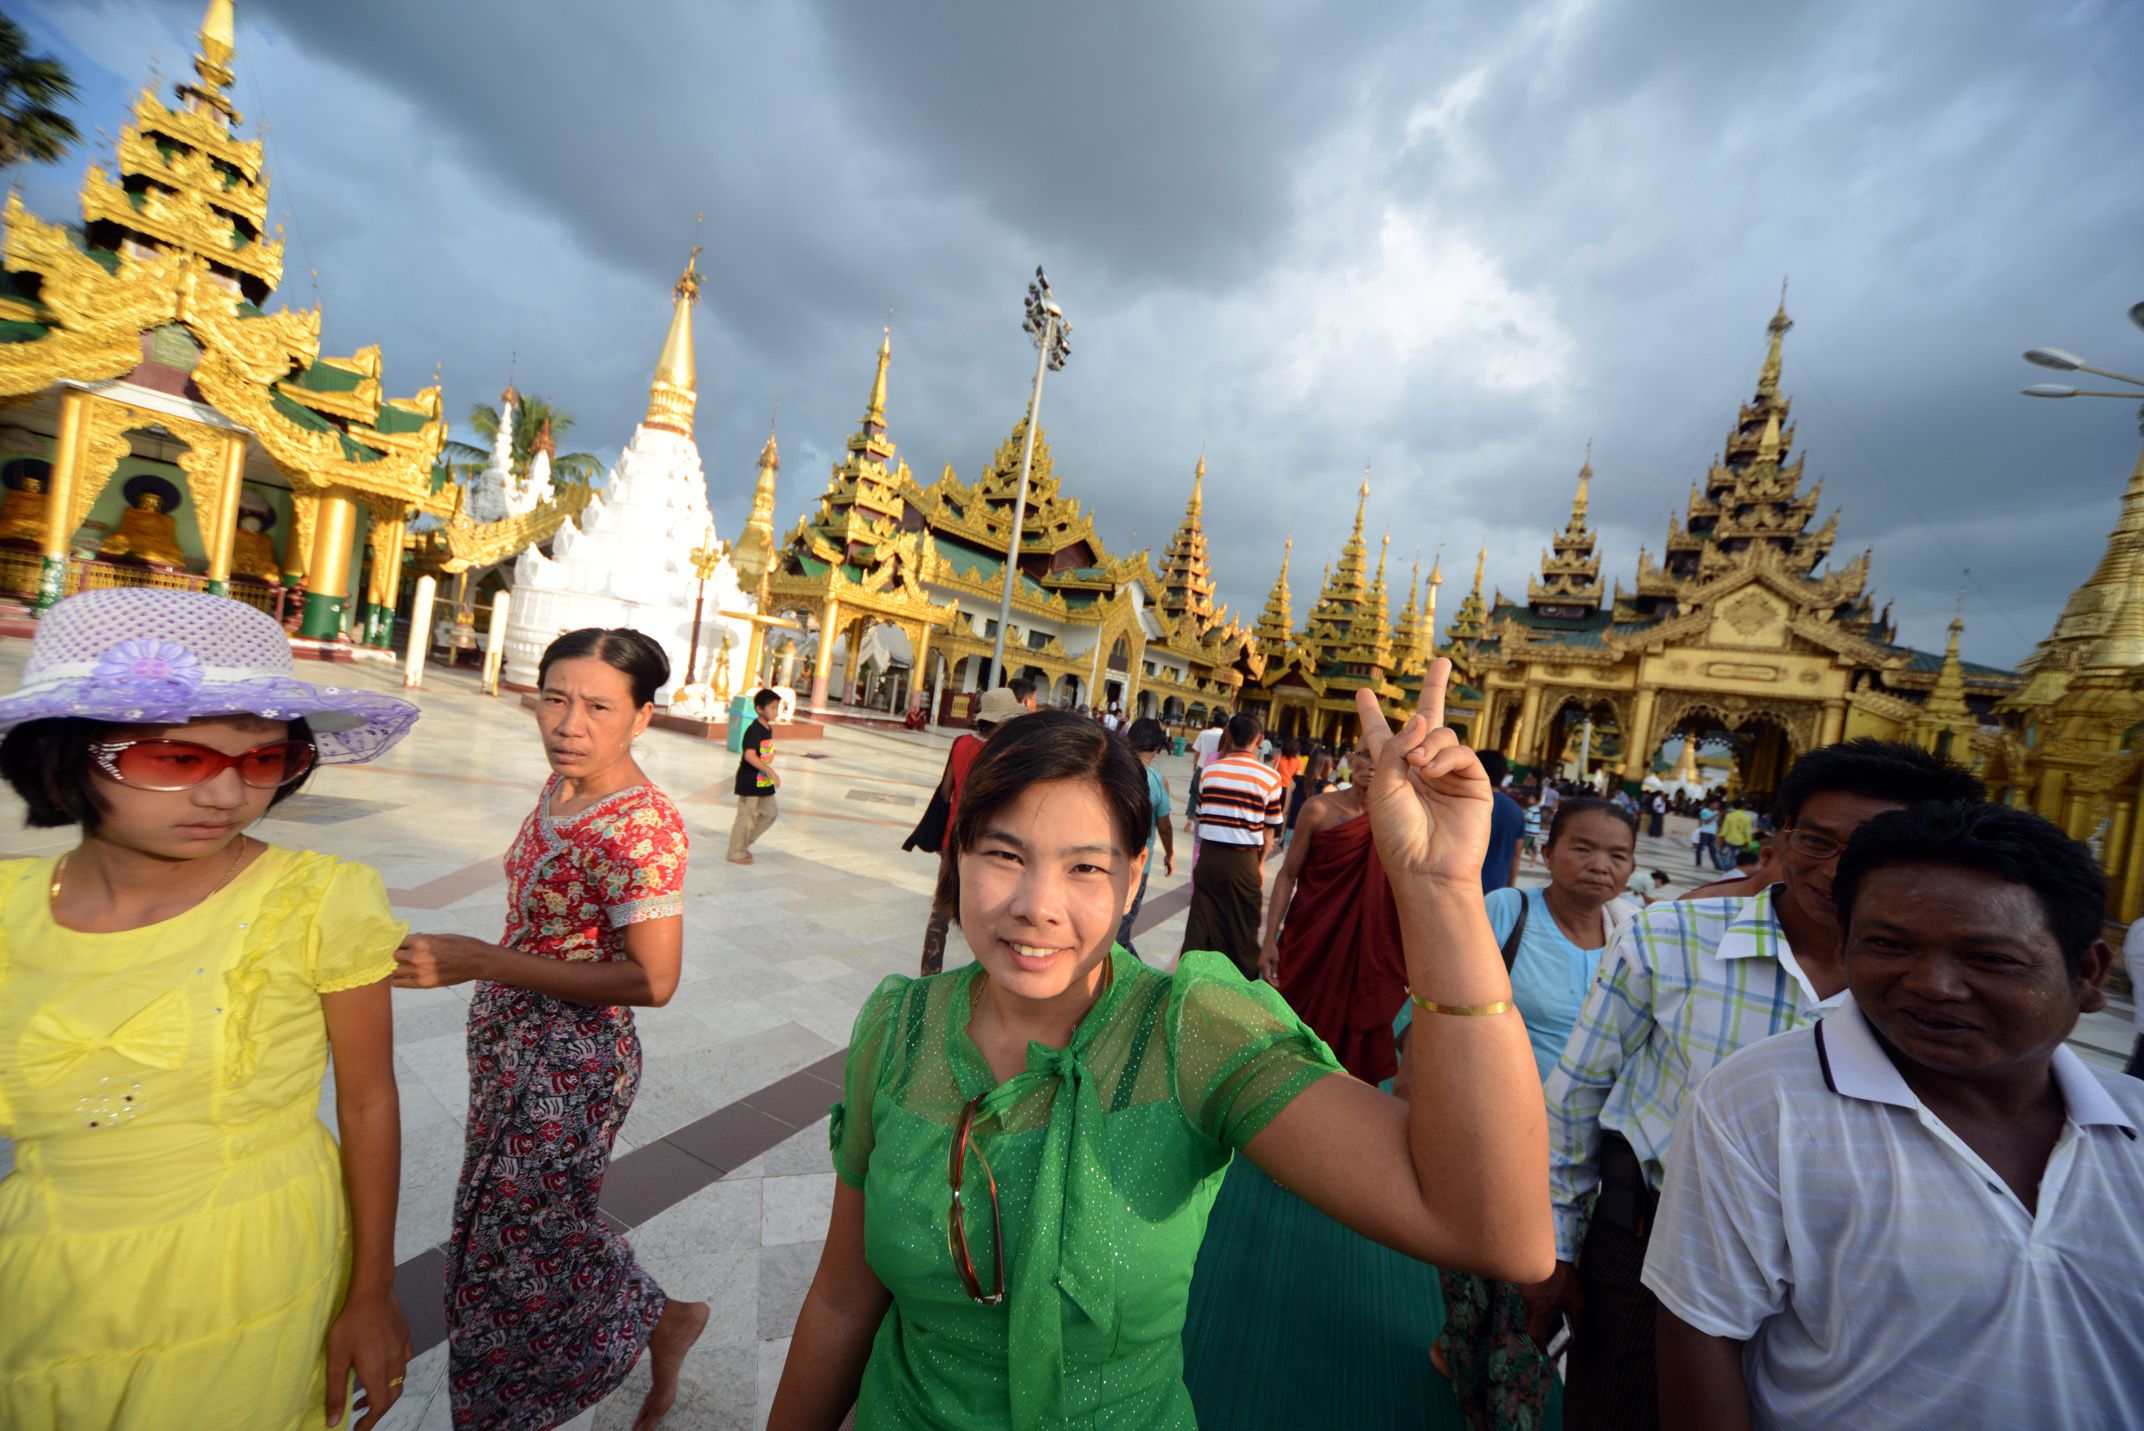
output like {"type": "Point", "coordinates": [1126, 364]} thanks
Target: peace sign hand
{"type": "Point", "coordinates": [1430, 801]}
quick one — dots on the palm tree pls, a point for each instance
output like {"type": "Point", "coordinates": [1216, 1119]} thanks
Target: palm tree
{"type": "Point", "coordinates": [31, 89]}
{"type": "Point", "coordinates": [530, 414]}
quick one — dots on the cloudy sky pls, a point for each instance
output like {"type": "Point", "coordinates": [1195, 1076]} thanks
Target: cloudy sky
{"type": "Point", "coordinates": [1453, 242]}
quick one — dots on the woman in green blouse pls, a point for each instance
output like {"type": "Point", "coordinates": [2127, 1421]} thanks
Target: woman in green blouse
{"type": "Point", "coordinates": [1028, 1146]}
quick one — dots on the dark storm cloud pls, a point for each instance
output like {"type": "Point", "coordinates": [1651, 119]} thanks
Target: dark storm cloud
{"type": "Point", "coordinates": [1302, 237]}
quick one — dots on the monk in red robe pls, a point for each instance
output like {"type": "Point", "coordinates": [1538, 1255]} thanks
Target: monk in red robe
{"type": "Point", "coordinates": [1332, 936]}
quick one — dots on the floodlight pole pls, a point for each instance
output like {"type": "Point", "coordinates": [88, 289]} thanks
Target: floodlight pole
{"type": "Point", "coordinates": [1045, 320]}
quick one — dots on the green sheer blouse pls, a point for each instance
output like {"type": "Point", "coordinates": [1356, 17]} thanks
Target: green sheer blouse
{"type": "Point", "coordinates": [1107, 1155]}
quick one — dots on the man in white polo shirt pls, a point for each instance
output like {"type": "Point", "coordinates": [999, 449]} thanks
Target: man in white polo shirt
{"type": "Point", "coordinates": [1922, 1211]}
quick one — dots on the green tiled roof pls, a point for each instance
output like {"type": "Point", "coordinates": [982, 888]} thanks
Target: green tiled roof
{"type": "Point", "coordinates": [392, 419]}
{"type": "Point", "coordinates": [326, 377]}
{"type": "Point", "coordinates": [975, 563]}
{"type": "Point", "coordinates": [1930, 662]}
{"type": "Point", "coordinates": [18, 331]}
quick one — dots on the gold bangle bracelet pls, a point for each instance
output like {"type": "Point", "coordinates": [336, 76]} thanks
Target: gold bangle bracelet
{"type": "Point", "coordinates": [1466, 1010]}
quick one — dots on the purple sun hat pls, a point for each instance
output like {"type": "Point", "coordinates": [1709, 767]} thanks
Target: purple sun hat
{"type": "Point", "coordinates": [143, 655]}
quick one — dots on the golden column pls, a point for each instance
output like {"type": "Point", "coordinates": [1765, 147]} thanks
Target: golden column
{"type": "Point", "coordinates": [223, 531]}
{"type": "Point", "coordinates": [1523, 734]}
{"type": "Point", "coordinates": [1638, 741]}
{"type": "Point", "coordinates": [327, 590]}
{"type": "Point", "coordinates": [59, 498]}
{"type": "Point", "coordinates": [919, 670]}
{"type": "Point", "coordinates": [822, 661]}
{"type": "Point", "coordinates": [1833, 725]}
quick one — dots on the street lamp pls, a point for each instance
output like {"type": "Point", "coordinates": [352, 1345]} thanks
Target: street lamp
{"type": "Point", "coordinates": [2063, 361]}
{"type": "Point", "coordinates": [1045, 323]}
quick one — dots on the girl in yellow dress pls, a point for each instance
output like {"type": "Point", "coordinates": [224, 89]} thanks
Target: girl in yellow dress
{"type": "Point", "coordinates": [180, 1244]}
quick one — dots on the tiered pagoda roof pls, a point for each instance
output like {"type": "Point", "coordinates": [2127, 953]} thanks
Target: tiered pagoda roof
{"type": "Point", "coordinates": [164, 285]}
{"type": "Point", "coordinates": [1347, 633]}
{"type": "Point", "coordinates": [1186, 574]}
{"type": "Point", "coordinates": [2089, 616]}
{"type": "Point", "coordinates": [1407, 640]}
{"type": "Point", "coordinates": [1274, 636]}
{"type": "Point", "coordinates": [1570, 582]}
{"type": "Point", "coordinates": [1470, 622]}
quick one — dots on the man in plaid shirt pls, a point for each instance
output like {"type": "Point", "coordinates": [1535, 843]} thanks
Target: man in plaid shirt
{"type": "Point", "coordinates": [1684, 985]}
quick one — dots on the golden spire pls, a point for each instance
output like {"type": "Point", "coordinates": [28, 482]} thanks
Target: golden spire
{"type": "Point", "coordinates": [1946, 701]}
{"type": "Point", "coordinates": [219, 42]}
{"type": "Point", "coordinates": [1768, 378]}
{"type": "Point", "coordinates": [1481, 561]}
{"type": "Point", "coordinates": [1579, 502]}
{"type": "Point", "coordinates": [754, 547]}
{"type": "Point", "coordinates": [675, 391]}
{"type": "Point", "coordinates": [875, 410]}
{"type": "Point", "coordinates": [1198, 486]}
{"type": "Point", "coordinates": [1429, 605]}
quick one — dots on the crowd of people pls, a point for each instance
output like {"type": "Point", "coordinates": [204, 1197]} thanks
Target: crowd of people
{"type": "Point", "coordinates": [1801, 1147]}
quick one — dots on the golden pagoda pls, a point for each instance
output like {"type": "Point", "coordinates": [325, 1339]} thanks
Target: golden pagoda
{"type": "Point", "coordinates": [1742, 631]}
{"type": "Point", "coordinates": [1089, 628]}
{"type": "Point", "coordinates": [139, 345]}
{"type": "Point", "coordinates": [1273, 638]}
{"type": "Point", "coordinates": [2069, 746]}
{"type": "Point", "coordinates": [1345, 645]}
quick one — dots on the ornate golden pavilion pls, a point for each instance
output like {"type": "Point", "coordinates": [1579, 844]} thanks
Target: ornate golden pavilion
{"type": "Point", "coordinates": [1089, 628]}
{"type": "Point", "coordinates": [162, 429]}
{"type": "Point", "coordinates": [1734, 633]}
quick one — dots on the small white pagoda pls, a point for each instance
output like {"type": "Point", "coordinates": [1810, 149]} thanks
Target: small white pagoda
{"type": "Point", "coordinates": [497, 494]}
{"type": "Point", "coordinates": [628, 559]}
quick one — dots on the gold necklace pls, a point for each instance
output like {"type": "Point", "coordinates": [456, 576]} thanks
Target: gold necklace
{"type": "Point", "coordinates": [238, 855]}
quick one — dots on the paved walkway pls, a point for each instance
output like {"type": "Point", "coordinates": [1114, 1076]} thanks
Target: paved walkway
{"type": "Point", "coordinates": [722, 1174]}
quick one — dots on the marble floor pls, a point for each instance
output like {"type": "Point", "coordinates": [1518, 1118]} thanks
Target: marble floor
{"type": "Point", "coordinates": [779, 956]}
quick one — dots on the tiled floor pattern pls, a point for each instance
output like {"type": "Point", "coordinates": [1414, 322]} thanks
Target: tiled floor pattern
{"type": "Point", "coordinates": [745, 1057]}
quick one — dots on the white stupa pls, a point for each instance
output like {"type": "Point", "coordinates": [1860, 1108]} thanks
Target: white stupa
{"type": "Point", "coordinates": [497, 494]}
{"type": "Point", "coordinates": [627, 559]}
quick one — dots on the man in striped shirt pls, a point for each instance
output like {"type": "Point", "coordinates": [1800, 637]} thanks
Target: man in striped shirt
{"type": "Point", "coordinates": [1684, 985]}
{"type": "Point", "coordinates": [1241, 804]}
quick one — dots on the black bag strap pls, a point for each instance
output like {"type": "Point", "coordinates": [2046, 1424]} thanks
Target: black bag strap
{"type": "Point", "coordinates": [1518, 932]}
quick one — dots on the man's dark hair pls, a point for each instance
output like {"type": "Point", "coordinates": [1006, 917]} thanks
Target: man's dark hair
{"type": "Point", "coordinates": [623, 649]}
{"type": "Point", "coordinates": [1586, 805]}
{"type": "Point", "coordinates": [766, 698]}
{"type": "Point", "coordinates": [1494, 766]}
{"type": "Point", "coordinates": [1021, 687]}
{"type": "Point", "coordinates": [1748, 858]}
{"type": "Point", "coordinates": [2012, 846]}
{"type": "Point", "coordinates": [1243, 731]}
{"type": "Point", "coordinates": [1146, 734]}
{"type": "Point", "coordinates": [1879, 769]}
{"type": "Point", "coordinates": [1216, 718]}
{"type": "Point", "coordinates": [1047, 745]}
{"type": "Point", "coordinates": [49, 764]}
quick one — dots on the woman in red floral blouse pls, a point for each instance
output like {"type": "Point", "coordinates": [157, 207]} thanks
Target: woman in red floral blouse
{"type": "Point", "coordinates": [547, 1310]}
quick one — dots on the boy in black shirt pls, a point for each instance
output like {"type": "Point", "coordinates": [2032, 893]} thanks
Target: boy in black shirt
{"type": "Point", "coordinates": [756, 780]}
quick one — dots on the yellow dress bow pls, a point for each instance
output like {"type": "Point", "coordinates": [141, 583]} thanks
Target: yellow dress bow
{"type": "Point", "coordinates": [54, 1043]}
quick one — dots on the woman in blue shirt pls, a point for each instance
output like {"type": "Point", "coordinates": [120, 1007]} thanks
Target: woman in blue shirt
{"type": "Point", "coordinates": [1501, 1378]}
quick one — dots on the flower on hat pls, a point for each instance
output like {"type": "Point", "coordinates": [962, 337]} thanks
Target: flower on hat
{"type": "Point", "coordinates": [150, 662]}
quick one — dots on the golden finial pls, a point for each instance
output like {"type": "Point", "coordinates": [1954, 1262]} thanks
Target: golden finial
{"type": "Point", "coordinates": [675, 391]}
{"type": "Point", "coordinates": [1481, 562]}
{"type": "Point", "coordinates": [219, 42]}
{"type": "Point", "coordinates": [1768, 377]}
{"type": "Point", "coordinates": [1198, 485]}
{"type": "Point", "coordinates": [875, 410]}
{"type": "Point", "coordinates": [1436, 568]}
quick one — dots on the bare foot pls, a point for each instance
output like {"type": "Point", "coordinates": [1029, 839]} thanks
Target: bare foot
{"type": "Point", "coordinates": [742, 860]}
{"type": "Point", "coordinates": [675, 1331]}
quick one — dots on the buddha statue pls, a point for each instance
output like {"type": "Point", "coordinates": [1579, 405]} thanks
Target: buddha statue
{"type": "Point", "coordinates": [252, 553]}
{"type": "Point", "coordinates": [147, 533]}
{"type": "Point", "coordinates": [22, 515]}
